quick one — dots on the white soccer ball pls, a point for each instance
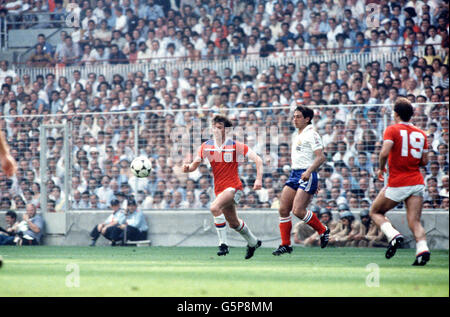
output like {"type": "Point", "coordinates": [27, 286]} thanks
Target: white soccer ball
{"type": "Point", "coordinates": [141, 167]}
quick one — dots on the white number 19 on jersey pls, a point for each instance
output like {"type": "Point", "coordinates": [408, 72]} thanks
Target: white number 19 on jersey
{"type": "Point", "coordinates": [416, 142]}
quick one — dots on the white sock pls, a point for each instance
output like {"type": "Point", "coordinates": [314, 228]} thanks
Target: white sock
{"type": "Point", "coordinates": [221, 228]}
{"type": "Point", "coordinates": [421, 246]}
{"type": "Point", "coordinates": [389, 231]}
{"type": "Point", "coordinates": [245, 232]}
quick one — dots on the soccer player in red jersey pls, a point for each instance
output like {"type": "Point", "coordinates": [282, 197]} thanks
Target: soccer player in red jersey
{"type": "Point", "coordinates": [224, 156]}
{"type": "Point", "coordinates": [404, 149]}
{"type": "Point", "coordinates": [7, 162]}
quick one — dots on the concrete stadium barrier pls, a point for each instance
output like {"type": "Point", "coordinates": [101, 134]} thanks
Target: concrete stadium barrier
{"type": "Point", "coordinates": [196, 227]}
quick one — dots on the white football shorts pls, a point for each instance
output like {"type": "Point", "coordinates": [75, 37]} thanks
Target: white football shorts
{"type": "Point", "coordinates": [399, 194]}
{"type": "Point", "coordinates": [237, 194]}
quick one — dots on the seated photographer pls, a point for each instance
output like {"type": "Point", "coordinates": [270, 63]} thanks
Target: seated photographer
{"type": "Point", "coordinates": [326, 217]}
{"type": "Point", "coordinates": [345, 230]}
{"type": "Point", "coordinates": [106, 228]}
{"type": "Point", "coordinates": [369, 234]}
{"type": "Point", "coordinates": [7, 235]}
{"type": "Point", "coordinates": [30, 229]}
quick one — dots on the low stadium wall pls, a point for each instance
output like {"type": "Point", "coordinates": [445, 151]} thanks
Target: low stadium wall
{"type": "Point", "coordinates": [196, 227]}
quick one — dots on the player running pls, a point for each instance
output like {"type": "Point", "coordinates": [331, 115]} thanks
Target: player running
{"type": "Point", "coordinates": [7, 162]}
{"type": "Point", "coordinates": [307, 156]}
{"type": "Point", "coordinates": [224, 156]}
{"type": "Point", "coordinates": [404, 148]}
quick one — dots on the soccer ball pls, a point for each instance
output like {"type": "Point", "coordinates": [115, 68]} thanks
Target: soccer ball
{"type": "Point", "coordinates": [141, 167]}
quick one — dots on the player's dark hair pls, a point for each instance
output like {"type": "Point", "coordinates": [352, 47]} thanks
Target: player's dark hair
{"type": "Point", "coordinates": [404, 109]}
{"type": "Point", "coordinates": [222, 119]}
{"type": "Point", "coordinates": [306, 112]}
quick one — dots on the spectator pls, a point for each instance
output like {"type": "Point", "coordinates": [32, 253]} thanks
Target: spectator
{"type": "Point", "coordinates": [265, 48]}
{"type": "Point", "coordinates": [5, 72]}
{"type": "Point", "coordinates": [120, 20]}
{"type": "Point", "coordinates": [89, 16]}
{"type": "Point", "coordinates": [132, 20]}
{"type": "Point", "coordinates": [58, 198]}
{"type": "Point", "coordinates": [116, 56]}
{"type": "Point", "coordinates": [98, 12]}
{"type": "Point", "coordinates": [103, 33]}
{"type": "Point", "coordinates": [430, 55]}
{"type": "Point", "coordinates": [104, 192]}
{"type": "Point", "coordinates": [190, 202]}
{"type": "Point", "coordinates": [30, 229]}
{"type": "Point", "coordinates": [90, 56]}
{"type": "Point", "coordinates": [155, 202]}
{"type": "Point", "coordinates": [435, 173]}
{"type": "Point", "coordinates": [40, 58]}
{"type": "Point", "coordinates": [47, 48]}
{"type": "Point", "coordinates": [7, 235]}
{"type": "Point", "coordinates": [69, 52]}
{"type": "Point", "coordinates": [443, 192]}
{"type": "Point", "coordinates": [154, 11]}
{"type": "Point", "coordinates": [362, 44]}
{"type": "Point", "coordinates": [51, 205]}
{"type": "Point", "coordinates": [94, 202]}
{"type": "Point", "coordinates": [133, 52]}
{"type": "Point", "coordinates": [433, 38]}
{"type": "Point", "coordinates": [119, 40]}
{"type": "Point", "coordinates": [204, 200]}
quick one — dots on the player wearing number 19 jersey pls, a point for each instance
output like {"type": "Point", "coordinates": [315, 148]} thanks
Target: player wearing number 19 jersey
{"type": "Point", "coordinates": [404, 149]}
{"type": "Point", "coordinates": [409, 143]}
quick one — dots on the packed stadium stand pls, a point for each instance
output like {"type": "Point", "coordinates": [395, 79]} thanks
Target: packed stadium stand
{"type": "Point", "coordinates": [143, 77]}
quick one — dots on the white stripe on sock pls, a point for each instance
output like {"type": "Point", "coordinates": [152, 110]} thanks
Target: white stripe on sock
{"type": "Point", "coordinates": [308, 216]}
{"type": "Point", "coordinates": [285, 219]}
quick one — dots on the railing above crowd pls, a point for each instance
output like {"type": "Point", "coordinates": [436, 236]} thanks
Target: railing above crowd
{"type": "Point", "coordinates": [123, 67]}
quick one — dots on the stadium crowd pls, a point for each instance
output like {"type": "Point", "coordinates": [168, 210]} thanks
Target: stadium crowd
{"type": "Point", "coordinates": [125, 31]}
{"type": "Point", "coordinates": [139, 31]}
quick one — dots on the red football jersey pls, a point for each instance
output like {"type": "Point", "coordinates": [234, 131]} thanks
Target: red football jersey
{"type": "Point", "coordinates": [409, 145]}
{"type": "Point", "coordinates": [224, 162]}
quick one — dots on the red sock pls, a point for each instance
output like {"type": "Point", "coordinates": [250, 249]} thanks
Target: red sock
{"type": "Point", "coordinates": [285, 230]}
{"type": "Point", "coordinates": [312, 220]}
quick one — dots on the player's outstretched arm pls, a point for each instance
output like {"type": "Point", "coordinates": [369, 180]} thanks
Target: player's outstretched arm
{"type": "Point", "coordinates": [259, 169]}
{"type": "Point", "coordinates": [318, 161]}
{"type": "Point", "coordinates": [188, 168]}
{"type": "Point", "coordinates": [8, 163]}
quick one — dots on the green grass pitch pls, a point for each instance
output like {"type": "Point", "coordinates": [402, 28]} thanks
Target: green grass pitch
{"type": "Point", "coordinates": [199, 272]}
